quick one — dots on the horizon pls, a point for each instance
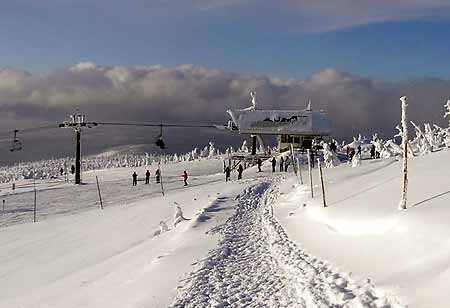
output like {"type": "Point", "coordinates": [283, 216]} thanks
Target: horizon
{"type": "Point", "coordinates": [189, 61]}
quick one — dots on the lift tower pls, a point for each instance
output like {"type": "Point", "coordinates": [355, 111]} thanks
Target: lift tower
{"type": "Point", "coordinates": [77, 121]}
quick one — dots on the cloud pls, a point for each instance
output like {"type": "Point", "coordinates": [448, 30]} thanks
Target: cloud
{"type": "Point", "coordinates": [195, 94]}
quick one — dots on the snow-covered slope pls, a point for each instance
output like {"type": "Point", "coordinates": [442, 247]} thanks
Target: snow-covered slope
{"type": "Point", "coordinates": [258, 242]}
{"type": "Point", "coordinates": [363, 232]}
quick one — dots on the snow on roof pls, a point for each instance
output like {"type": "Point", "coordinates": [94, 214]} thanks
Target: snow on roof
{"type": "Point", "coordinates": [281, 122]}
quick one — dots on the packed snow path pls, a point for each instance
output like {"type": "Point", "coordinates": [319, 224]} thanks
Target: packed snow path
{"type": "Point", "coordinates": [256, 265]}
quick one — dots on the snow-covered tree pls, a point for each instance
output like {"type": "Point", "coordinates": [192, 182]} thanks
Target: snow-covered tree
{"type": "Point", "coordinates": [447, 112]}
{"type": "Point", "coordinates": [244, 147]}
{"type": "Point", "coordinates": [330, 158]}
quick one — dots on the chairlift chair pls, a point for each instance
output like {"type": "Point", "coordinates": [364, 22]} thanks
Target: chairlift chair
{"type": "Point", "coordinates": [16, 144]}
{"type": "Point", "coordinates": [160, 142]}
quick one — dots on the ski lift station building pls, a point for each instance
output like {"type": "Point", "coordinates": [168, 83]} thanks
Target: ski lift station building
{"type": "Point", "coordinates": [296, 127]}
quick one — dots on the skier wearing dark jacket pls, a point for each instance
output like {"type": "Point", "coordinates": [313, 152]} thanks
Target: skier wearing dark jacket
{"type": "Point", "coordinates": [240, 169]}
{"type": "Point", "coordinates": [147, 177]}
{"type": "Point", "coordinates": [281, 164]}
{"type": "Point", "coordinates": [134, 178]}
{"type": "Point", "coordinates": [259, 162]}
{"type": "Point", "coordinates": [227, 173]}
{"type": "Point", "coordinates": [274, 164]}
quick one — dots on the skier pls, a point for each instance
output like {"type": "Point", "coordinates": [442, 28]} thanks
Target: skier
{"type": "Point", "coordinates": [240, 170]}
{"type": "Point", "coordinates": [185, 177]}
{"type": "Point", "coordinates": [158, 175]}
{"type": "Point", "coordinates": [286, 164]}
{"type": "Point", "coordinates": [147, 177]}
{"type": "Point", "coordinates": [281, 164]}
{"type": "Point", "coordinates": [359, 151]}
{"type": "Point", "coordinates": [72, 169]}
{"type": "Point", "coordinates": [259, 162]}
{"type": "Point", "coordinates": [134, 178]}
{"type": "Point", "coordinates": [227, 173]}
{"type": "Point", "coordinates": [333, 147]}
{"type": "Point", "coordinates": [311, 157]}
{"type": "Point", "coordinates": [274, 164]}
{"type": "Point", "coordinates": [61, 171]}
{"type": "Point", "coordinates": [351, 153]}
{"type": "Point", "coordinates": [372, 152]}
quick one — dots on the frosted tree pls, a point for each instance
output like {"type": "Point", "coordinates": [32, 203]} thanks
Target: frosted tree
{"type": "Point", "coordinates": [402, 203]}
{"type": "Point", "coordinates": [211, 150]}
{"type": "Point", "coordinates": [330, 158]}
{"type": "Point", "coordinates": [244, 147]}
{"type": "Point", "coordinates": [178, 216]}
{"type": "Point", "coordinates": [421, 141]}
{"type": "Point", "coordinates": [356, 161]}
{"type": "Point", "coordinates": [447, 112]}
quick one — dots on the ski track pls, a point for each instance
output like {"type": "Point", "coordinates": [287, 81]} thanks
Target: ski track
{"type": "Point", "coordinates": [256, 265]}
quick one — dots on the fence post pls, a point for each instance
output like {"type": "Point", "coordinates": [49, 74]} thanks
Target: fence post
{"type": "Point", "coordinates": [310, 173]}
{"type": "Point", "coordinates": [3, 207]}
{"type": "Point", "coordinates": [160, 181]}
{"type": "Point", "coordinates": [35, 207]}
{"type": "Point", "coordinates": [299, 170]}
{"type": "Point", "coordinates": [99, 193]}
{"type": "Point", "coordinates": [321, 181]}
{"type": "Point", "coordinates": [402, 203]}
{"type": "Point", "coordinates": [293, 160]}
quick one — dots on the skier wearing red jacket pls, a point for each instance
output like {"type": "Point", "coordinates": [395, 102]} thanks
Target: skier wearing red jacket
{"type": "Point", "coordinates": [185, 177]}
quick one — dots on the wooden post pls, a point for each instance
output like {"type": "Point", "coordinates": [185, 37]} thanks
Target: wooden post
{"type": "Point", "coordinates": [3, 207]}
{"type": "Point", "coordinates": [78, 158]}
{"type": "Point", "coordinates": [310, 173]}
{"type": "Point", "coordinates": [99, 193]}
{"type": "Point", "coordinates": [402, 204]}
{"type": "Point", "coordinates": [35, 206]}
{"type": "Point", "coordinates": [294, 161]}
{"type": "Point", "coordinates": [321, 181]}
{"type": "Point", "coordinates": [300, 170]}
{"type": "Point", "coordinates": [160, 181]}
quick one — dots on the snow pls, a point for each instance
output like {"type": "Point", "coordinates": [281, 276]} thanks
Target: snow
{"type": "Point", "coordinates": [258, 242]}
{"type": "Point", "coordinates": [362, 232]}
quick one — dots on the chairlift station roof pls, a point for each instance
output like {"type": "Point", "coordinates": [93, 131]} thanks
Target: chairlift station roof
{"type": "Point", "coordinates": [281, 122]}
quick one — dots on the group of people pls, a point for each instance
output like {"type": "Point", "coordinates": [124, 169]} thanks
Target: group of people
{"type": "Point", "coordinates": [284, 164]}
{"type": "Point", "coordinates": [147, 177]}
{"type": "Point", "coordinates": [358, 151]}
{"type": "Point", "coordinates": [227, 171]}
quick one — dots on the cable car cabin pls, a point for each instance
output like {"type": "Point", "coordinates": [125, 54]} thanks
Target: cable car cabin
{"type": "Point", "coordinates": [296, 127]}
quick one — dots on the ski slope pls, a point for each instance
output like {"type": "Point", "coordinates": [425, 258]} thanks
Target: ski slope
{"type": "Point", "coordinates": [406, 253]}
{"type": "Point", "coordinates": [259, 242]}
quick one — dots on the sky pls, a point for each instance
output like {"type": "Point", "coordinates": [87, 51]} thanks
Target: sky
{"type": "Point", "coordinates": [288, 39]}
{"type": "Point", "coordinates": [180, 60]}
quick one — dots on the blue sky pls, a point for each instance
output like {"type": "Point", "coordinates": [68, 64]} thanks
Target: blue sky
{"type": "Point", "coordinates": [390, 40]}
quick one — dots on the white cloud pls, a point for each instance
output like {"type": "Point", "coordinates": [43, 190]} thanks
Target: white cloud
{"type": "Point", "coordinates": [191, 93]}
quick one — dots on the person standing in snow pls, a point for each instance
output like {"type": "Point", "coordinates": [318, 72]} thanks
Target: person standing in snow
{"type": "Point", "coordinates": [286, 164]}
{"type": "Point", "coordinates": [240, 169]}
{"type": "Point", "coordinates": [333, 146]}
{"type": "Point", "coordinates": [372, 152]}
{"type": "Point", "coordinates": [227, 173]}
{"type": "Point", "coordinates": [158, 175]}
{"type": "Point", "coordinates": [72, 169]}
{"type": "Point", "coordinates": [61, 171]}
{"type": "Point", "coordinates": [259, 162]}
{"type": "Point", "coordinates": [134, 178]}
{"type": "Point", "coordinates": [311, 156]}
{"type": "Point", "coordinates": [281, 164]}
{"type": "Point", "coordinates": [274, 164]}
{"type": "Point", "coordinates": [147, 177]}
{"type": "Point", "coordinates": [185, 177]}
{"type": "Point", "coordinates": [359, 152]}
